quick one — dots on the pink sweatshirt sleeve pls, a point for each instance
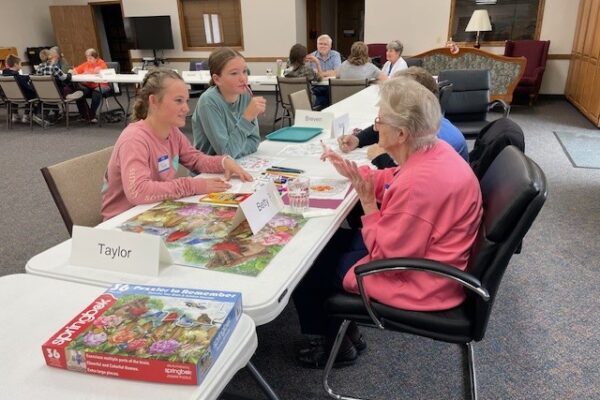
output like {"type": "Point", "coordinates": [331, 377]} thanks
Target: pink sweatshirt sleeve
{"type": "Point", "coordinates": [139, 184]}
{"type": "Point", "coordinates": [197, 161]}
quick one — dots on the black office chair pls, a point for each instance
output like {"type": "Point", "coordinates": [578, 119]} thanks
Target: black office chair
{"type": "Point", "coordinates": [490, 142]}
{"type": "Point", "coordinates": [445, 90]}
{"type": "Point", "coordinates": [413, 62]}
{"type": "Point", "coordinates": [469, 102]}
{"type": "Point", "coordinates": [513, 191]}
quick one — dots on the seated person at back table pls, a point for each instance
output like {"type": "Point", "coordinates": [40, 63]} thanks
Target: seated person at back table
{"type": "Point", "coordinates": [359, 65]}
{"type": "Point", "coordinates": [13, 65]}
{"type": "Point", "coordinates": [225, 120]}
{"type": "Point", "coordinates": [63, 80]}
{"type": "Point", "coordinates": [393, 55]}
{"type": "Point", "coordinates": [143, 166]}
{"type": "Point", "coordinates": [299, 69]}
{"type": "Point", "coordinates": [93, 65]}
{"type": "Point", "coordinates": [430, 207]}
{"type": "Point", "coordinates": [62, 62]}
{"type": "Point", "coordinates": [329, 60]}
{"type": "Point", "coordinates": [369, 136]}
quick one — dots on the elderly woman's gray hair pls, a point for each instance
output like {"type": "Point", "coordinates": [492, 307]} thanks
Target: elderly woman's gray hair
{"type": "Point", "coordinates": [406, 104]}
{"type": "Point", "coordinates": [395, 45]}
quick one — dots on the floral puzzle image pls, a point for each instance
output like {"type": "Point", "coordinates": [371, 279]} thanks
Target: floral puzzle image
{"type": "Point", "coordinates": [199, 235]}
{"type": "Point", "coordinates": [153, 333]}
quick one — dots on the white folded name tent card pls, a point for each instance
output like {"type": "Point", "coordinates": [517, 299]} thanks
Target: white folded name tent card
{"type": "Point", "coordinates": [196, 75]}
{"type": "Point", "coordinates": [259, 208]}
{"type": "Point", "coordinates": [107, 73]}
{"type": "Point", "coordinates": [314, 119]}
{"type": "Point", "coordinates": [340, 125]}
{"type": "Point", "coordinates": [115, 250]}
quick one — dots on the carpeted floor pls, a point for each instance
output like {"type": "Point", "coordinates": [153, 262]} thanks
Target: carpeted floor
{"type": "Point", "coordinates": [542, 339]}
{"type": "Point", "coordinates": [582, 148]}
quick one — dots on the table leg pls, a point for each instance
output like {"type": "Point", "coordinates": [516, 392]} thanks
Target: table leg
{"type": "Point", "coordinates": [262, 383]}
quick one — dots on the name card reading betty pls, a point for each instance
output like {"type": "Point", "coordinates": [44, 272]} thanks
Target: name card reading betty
{"type": "Point", "coordinates": [314, 119]}
{"type": "Point", "coordinates": [259, 208]}
{"type": "Point", "coordinates": [119, 251]}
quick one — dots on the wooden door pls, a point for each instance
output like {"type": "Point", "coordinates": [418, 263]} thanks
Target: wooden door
{"type": "Point", "coordinates": [75, 31]}
{"type": "Point", "coordinates": [350, 24]}
{"type": "Point", "coordinates": [313, 23]}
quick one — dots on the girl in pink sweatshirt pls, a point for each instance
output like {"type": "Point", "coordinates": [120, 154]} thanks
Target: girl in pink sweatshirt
{"type": "Point", "coordinates": [144, 162]}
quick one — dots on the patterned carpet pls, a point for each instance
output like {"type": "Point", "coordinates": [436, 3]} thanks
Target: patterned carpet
{"type": "Point", "coordinates": [542, 339]}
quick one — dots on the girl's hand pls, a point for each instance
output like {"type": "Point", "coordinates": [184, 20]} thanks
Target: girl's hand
{"type": "Point", "coordinates": [232, 168]}
{"type": "Point", "coordinates": [215, 185]}
{"type": "Point", "coordinates": [257, 106]}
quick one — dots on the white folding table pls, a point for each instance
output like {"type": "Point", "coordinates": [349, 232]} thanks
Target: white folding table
{"type": "Point", "coordinates": [33, 308]}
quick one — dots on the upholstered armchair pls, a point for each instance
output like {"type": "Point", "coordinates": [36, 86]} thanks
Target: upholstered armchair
{"type": "Point", "coordinates": [536, 53]}
{"type": "Point", "coordinates": [377, 53]}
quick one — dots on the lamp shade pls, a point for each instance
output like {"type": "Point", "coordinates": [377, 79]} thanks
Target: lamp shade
{"type": "Point", "coordinates": [479, 22]}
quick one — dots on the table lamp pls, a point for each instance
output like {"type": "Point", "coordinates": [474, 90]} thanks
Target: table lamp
{"type": "Point", "coordinates": [479, 22]}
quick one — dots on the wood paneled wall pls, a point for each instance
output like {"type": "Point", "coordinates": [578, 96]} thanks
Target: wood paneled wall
{"type": "Point", "coordinates": [583, 81]}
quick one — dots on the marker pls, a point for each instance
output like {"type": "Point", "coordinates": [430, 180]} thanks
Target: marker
{"type": "Point", "coordinates": [249, 90]}
{"type": "Point", "coordinates": [285, 169]}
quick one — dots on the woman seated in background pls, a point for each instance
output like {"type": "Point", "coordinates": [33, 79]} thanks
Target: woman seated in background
{"type": "Point", "coordinates": [225, 120]}
{"type": "Point", "coordinates": [430, 208]}
{"type": "Point", "coordinates": [369, 136]}
{"type": "Point", "coordinates": [393, 55]}
{"type": "Point", "coordinates": [93, 65]}
{"type": "Point", "coordinates": [359, 66]}
{"type": "Point", "coordinates": [144, 162]}
{"type": "Point", "coordinates": [298, 68]}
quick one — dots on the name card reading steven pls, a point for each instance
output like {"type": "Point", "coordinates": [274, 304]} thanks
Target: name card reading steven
{"type": "Point", "coordinates": [259, 208]}
{"type": "Point", "coordinates": [314, 119]}
{"type": "Point", "coordinates": [119, 251]}
{"type": "Point", "coordinates": [340, 125]}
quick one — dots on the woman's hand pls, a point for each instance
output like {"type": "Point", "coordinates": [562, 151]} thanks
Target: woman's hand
{"type": "Point", "coordinates": [347, 143]}
{"type": "Point", "coordinates": [374, 151]}
{"type": "Point", "coordinates": [311, 58]}
{"type": "Point", "coordinates": [257, 106]}
{"type": "Point", "coordinates": [364, 186]}
{"type": "Point", "coordinates": [232, 168]}
{"type": "Point", "coordinates": [215, 185]}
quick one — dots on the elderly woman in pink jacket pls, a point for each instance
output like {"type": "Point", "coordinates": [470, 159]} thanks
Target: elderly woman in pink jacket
{"type": "Point", "coordinates": [427, 207]}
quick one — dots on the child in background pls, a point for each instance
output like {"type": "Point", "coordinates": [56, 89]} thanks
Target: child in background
{"type": "Point", "coordinates": [13, 65]}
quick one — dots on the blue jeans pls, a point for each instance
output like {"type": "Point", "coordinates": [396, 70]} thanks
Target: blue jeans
{"type": "Point", "coordinates": [96, 95]}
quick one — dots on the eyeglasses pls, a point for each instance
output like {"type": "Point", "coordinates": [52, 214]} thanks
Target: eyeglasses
{"type": "Point", "coordinates": [378, 121]}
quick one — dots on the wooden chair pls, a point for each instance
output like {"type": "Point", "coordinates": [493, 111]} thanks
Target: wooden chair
{"type": "Point", "coordinates": [13, 96]}
{"type": "Point", "coordinates": [339, 89]}
{"type": "Point", "coordinates": [76, 187]}
{"type": "Point", "coordinates": [300, 101]}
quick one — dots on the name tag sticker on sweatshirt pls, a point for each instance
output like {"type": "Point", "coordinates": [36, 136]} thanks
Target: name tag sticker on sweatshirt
{"type": "Point", "coordinates": [163, 163]}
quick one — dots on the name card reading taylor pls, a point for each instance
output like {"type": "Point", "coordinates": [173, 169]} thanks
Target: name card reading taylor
{"type": "Point", "coordinates": [118, 251]}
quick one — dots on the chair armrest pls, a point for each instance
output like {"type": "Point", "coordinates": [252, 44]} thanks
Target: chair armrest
{"type": "Point", "coordinates": [502, 103]}
{"type": "Point", "coordinates": [414, 264]}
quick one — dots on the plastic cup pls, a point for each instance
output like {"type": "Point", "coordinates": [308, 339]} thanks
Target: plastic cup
{"type": "Point", "coordinates": [298, 193]}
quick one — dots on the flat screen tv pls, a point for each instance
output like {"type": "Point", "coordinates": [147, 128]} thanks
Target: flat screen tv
{"type": "Point", "coordinates": [149, 33]}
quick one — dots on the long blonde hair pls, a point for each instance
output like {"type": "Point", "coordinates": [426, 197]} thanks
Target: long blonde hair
{"type": "Point", "coordinates": [153, 83]}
